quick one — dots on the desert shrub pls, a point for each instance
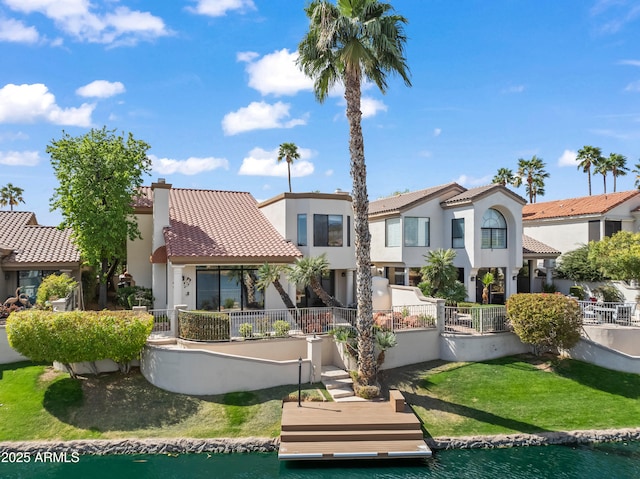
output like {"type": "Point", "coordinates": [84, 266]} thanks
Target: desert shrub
{"type": "Point", "coordinates": [229, 303]}
{"type": "Point", "coordinates": [131, 296]}
{"type": "Point", "coordinates": [577, 292]}
{"type": "Point", "coordinates": [200, 326]}
{"type": "Point", "coordinates": [281, 328]}
{"type": "Point", "coordinates": [246, 330]}
{"type": "Point", "coordinates": [55, 286]}
{"type": "Point", "coordinates": [546, 321]}
{"type": "Point", "coordinates": [77, 336]}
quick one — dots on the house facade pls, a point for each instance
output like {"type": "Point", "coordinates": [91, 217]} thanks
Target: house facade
{"type": "Point", "coordinates": [482, 225]}
{"type": "Point", "coordinates": [29, 252]}
{"type": "Point", "coordinates": [318, 224]}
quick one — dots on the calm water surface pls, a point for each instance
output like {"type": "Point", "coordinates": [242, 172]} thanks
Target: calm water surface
{"type": "Point", "coordinates": [602, 461]}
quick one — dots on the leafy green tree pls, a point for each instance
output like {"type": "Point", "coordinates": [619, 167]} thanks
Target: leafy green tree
{"type": "Point", "coordinates": [11, 196]}
{"type": "Point", "coordinates": [588, 157]}
{"type": "Point", "coordinates": [618, 165]}
{"type": "Point", "coordinates": [270, 274]}
{"type": "Point", "coordinates": [576, 266]}
{"type": "Point", "coordinates": [504, 177]}
{"type": "Point", "coordinates": [533, 174]}
{"type": "Point", "coordinates": [99, 174]}
{"type": "Point", "coordinates": [617, 256]}
{"type": "Point", "coordinates": [546, 321]}
{"type": "Point", "coordinates": [308, 271]}
{"type": "Point", "coordinates": [289, 153]}
{"type": "Point", "coordinates": [352, 41]}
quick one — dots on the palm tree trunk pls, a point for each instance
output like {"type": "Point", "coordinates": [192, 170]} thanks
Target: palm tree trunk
{"type": "Point", "coordinates": [589, 176]}
{"type": "Point", "coordinates": [362, 241]}
{"type": "Point", "coordinates": [286, 299]}
{"type": "Point", "coordinates": [326, 298]}
{"type": "Point", "coordinates": [289, 174]}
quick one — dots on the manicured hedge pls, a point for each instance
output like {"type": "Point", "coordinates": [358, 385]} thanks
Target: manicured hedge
{"type": "Point", "coordinates": [546, 321]}
{"type": "Point", "coordinates": [204, 326]}
{"type": "Point", "coordinates": [77, 336]}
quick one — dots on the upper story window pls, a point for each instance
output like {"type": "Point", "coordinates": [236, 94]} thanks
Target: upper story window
{"type": "Point", "coordinates": [327, 230]}
{"type": "Point", "coordinates": [416, 231]}
{"type": "Point", "coordinates": [457, 233]}
{"type": "Point", "coordinates": [393, 233]}
{"type": "Point", "coordinates": [302, 230]}
{"type": "Point", "coordinates": [494, 230]}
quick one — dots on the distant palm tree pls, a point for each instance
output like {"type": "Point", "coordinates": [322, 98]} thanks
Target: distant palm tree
{"type": "Point", "coordinates": [603, 167]}
{"type": "Point", "coordinates": [347, 43]}
{"type": "Point", "coordinates": [504, 177]}
{"type": "Point", "coordinates": [308, 271]}
{"type": "Point", "coordinates": [11, 195]}
{"type": "Point", "coordinates": [636, 170]}
{"type": "Point", "coordinates": [588, 156]}
{"type": "Point", "coordinates": [288, 152]}
{"type": "Point", "coordinates": [532, 172]}
{"type": "Point", "coordinates": [618, 167]}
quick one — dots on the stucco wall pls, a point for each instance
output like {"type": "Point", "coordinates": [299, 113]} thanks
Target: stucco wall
{"type": "Point", "coordinates": [273, 349]}
{"type": "Point", "coordinates": [480, 348]}
{"type": "Point", "coordinates": [139, 251]}
{"type": "Point", "coordinates": [8, 354]}
{"type": "Point", "coordinates": [620, 338]}
{"type": "Point", "coordinates": [594, 353]}
{"type": "Point", "coordinates": [415, 346]}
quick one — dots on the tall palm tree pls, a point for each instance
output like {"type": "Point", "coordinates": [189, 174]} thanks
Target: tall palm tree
{"type": "Point", "coordinates": [587, 157]}
{"type": "Point", "coordinates": [532, 172]}
{"type": "Point", "coordinates": [636, 170]}
{"type": "Point", "coordinates": [11, 195]}
{"type": "Point", "coordinates": [603, 167]}
{"type": "Point", "coordinates": [270, 274]}
{"type": "Point", "coordinates": [504, 177]}
{"type": "Point", "coordinates": [308, 271]}
{"type": "Point", "coordinates": [347, 43]}
{"type": "Point", "coordinates": [618, 164]}
{"type": "Point", "coordinates": [289, 153]}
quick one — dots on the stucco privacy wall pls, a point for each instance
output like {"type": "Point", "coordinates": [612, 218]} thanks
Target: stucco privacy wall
{"type": "Point", "coordinates": [594, 353]}
{"type": "Point", "coordinates": [272, 349]}
{"type": "Point", "coordinates": [621, 338]}
{"type": "Point", "coordinates": [8, 354]}
{"type": "Point", "coordinates": [414, 346]}
{"type": "Point", "coordinates": [454, 347]}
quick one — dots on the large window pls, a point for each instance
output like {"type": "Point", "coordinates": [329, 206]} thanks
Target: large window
{"type": "Point", "coordinates": [227, 288]}
{"type": "Point", "coordinates": [327, 230]}
{"type": "Point", "coordinates": [393, 235]}
{"type": "Point", "coordinates": [29, 281]}
{"type": "Point", "coordinates": [416, 231]}
{"type": "Point", "coordinates": [457, 233]}
{"type": "Point", "coordinates": [494, 230]}
{"type": "Point", "coordinates": [594, 230]}
{"type": "Point", "coordinates": [612, 227]}
{"type": "Point", "coordinates": [302, 230]}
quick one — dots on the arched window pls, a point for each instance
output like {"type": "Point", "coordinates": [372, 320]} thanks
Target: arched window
{"type": "Point", "coordinates": [494, 230]}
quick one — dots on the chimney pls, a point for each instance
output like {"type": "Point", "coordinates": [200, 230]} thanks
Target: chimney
{"type": "Point", "coordinates": [160, 191]}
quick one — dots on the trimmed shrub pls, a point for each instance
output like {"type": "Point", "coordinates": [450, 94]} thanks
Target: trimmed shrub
{"type": "Point", "coordinates": [78, 336]}
{"type": "Point", "coordinates": [281, 328]}
{"type": "Point", "coordinates": [246, 330]}
{"type": "Point", "coordinates": [199, 326]}
{"type": "Point", "coordinates": [546, 321]}
{"type": "Point", "coordinates": [55, 286]}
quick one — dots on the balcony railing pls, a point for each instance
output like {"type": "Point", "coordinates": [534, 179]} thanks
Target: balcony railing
{"type": "Point", "coordinates": [623, 314]}
{"type": "Point", "coordinates": [475, 319]}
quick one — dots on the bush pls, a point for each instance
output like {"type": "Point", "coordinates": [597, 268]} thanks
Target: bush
{"type": "Point", "coordinates": [198, 326]}
{"type": "Point", "coordinates": [547, 321]}
{"type": "Point", "coordinates": [55, 286]}
{"type": "Point", "coordinates": [577, 292]}
{"type": "Point", "coordinates": [246, 330]}
{"type": "Point", "coordinates": [78, 336]}
{"type": "Point", "coordinates": [281, 328]}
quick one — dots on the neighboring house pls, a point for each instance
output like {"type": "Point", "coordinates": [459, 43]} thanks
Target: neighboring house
{"type": "Point", "coordinates": [202, 248]}
{"type": "Point", "coordinates": [318, 223]}
{"type": "Point", "coordinates": [570, 223]}
{"type": "Point", "coordinates": [482, 225]}
{"type": "Point", "coordinates": [29, 252]}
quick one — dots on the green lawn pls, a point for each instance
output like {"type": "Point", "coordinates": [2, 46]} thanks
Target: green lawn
{"type": "Point", "coordinates": [518, 394]}
{"type": "Point", "coordinates": [38, 403]}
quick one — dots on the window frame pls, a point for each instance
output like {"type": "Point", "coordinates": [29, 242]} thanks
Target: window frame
{"type": "Point", "coordinates": [457, 244]}
{"type": "Point", "coordinates": [427, 232]}
{"type": "Point", "coordinates": [492, 237]}
{"type": "Point", "coordinates": [397, 223]}
{"type": "Point", "coordinates": [323, 232]}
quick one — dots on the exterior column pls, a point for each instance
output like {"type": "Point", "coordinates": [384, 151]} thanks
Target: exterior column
{"type": "Point", "coordinates": [314, 354]}
{"type": "Point", "coordinates": [549, 264]}
{"type": "Point", "coordinates": [471, 287]}
{"type": "Point", "coordinates": [350, 299]}
{"type": "Point", "coordinates": [176, 297]}
{"type": "Point", "coordinates": [532, 274]}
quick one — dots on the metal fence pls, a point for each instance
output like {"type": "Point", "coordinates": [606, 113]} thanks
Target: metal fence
{"type": "Point", "coordinates": [475, 319]}
{"type": "Point", "coordinates": [235, 325]}
{"type": "Point", "coordinates": [162, 319]}
{"type": "Point", "coordinates": [623, 314]}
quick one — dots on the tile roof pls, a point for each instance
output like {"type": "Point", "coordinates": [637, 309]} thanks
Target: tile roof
{"type": "Point", "coordinates": [586, 205]}
{"type": "Point", "coordinates": [396, 203]}
{"type": "Point", "coordinates": [31, 243]}
{"type": "Point", "coordinates": [533, 247]}
{"type": "Point", "coordinates": [479, 192]}
{"type": "Point", "coordinates": [206, 224]}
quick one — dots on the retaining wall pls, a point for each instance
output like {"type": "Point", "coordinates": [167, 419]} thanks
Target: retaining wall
{"type": "Point", "coordinates": [7, 353]}
{"type": "Point", "coordinates": [456, 347]}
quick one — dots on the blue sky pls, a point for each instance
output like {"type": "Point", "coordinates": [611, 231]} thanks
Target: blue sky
{"type": "Point", "coordinates": [212, 86]}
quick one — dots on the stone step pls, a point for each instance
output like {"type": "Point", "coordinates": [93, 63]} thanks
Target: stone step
{"type": "Point", "coordinates": [341, 392]}
{"type": "Point", "coordinates": [338, 383]}
{"type": "Point", "coordinates": [332, 372]}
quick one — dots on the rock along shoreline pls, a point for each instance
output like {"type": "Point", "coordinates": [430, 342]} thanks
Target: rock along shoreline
{"type": "Point", "coordinates": [101, 447]}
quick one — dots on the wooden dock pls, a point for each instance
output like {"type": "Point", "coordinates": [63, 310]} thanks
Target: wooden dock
{"type": "Point", "coordinates": [350, 430]}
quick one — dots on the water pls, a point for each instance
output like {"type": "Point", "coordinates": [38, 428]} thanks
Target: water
{"type": "Point", "coordinates": [621, 460]}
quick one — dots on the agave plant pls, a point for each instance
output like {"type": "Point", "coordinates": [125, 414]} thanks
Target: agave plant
{"type": "Point", "coordinates": [384, 340]}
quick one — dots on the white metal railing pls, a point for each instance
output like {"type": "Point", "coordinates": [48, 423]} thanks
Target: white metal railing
{"type": "Point", "coordinates": [162, 319]}
{"type": "Point", "coordinates": [608, 313]}
{"type": "Point", "coordinates": [475, 319]}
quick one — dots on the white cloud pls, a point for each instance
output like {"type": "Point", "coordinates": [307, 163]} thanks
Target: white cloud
{"type": "Point", "coordinates": [466, 180]}
{"type": "Point", "coordinates": [275, 73]}
{"type": "Point", "coordinates": [633, 63]}
{"type": "Point", "coordinates": [514, 89]}
{"type": "Point", "coordinates": [15, 31]}
{"type": "Point", "coordinates": [76, 18]}
{"type": "Point", "coordinates": [437, 131]}
{"type": "Point", "coordinates": [633, 86]}
{"type": "Point", "coordinates": [30, 103]}
{"type": "Point", "coordinates": [328, 173]}
{"type": "Point", "coordinates": [11, 136]}
{"type": "Point", "coordinates": [568, 158]}
{"type": "Point", "coordinates": [370, 106]}
{"type": "Point", "coordinates": [219, 8]}
{"type": "Point", "coordinates": [19, 158]}
{"type": "Point", "coordinates": [261, 162]}
{"type": "Point", "coordinates": [190, 166]}
{"type": "Point", "coordinates": [101, 89]}
{"type": "Point", "coordinates": [259, 116]}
